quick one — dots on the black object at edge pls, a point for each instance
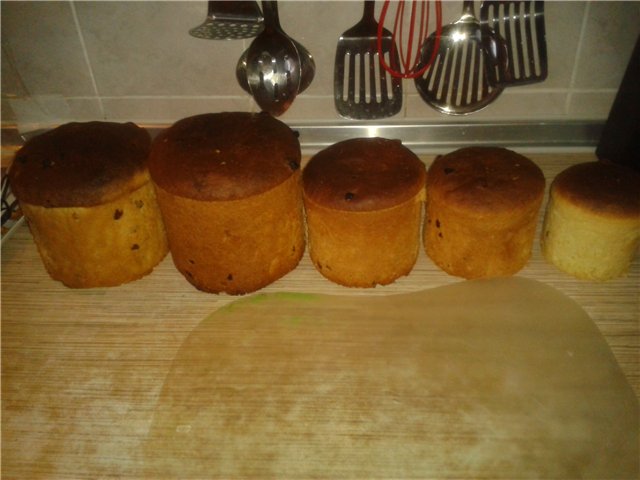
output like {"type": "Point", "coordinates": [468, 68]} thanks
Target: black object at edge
{"type": "Point", "coordinates": [620, 139]}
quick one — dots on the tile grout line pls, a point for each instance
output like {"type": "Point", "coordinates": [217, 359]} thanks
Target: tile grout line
{"type": "Point", "coordinates": [328, 96]}
{"type": "Point", "coordinates": [86, 57]}
{"type": "Point", "coordinates": [574, 71]}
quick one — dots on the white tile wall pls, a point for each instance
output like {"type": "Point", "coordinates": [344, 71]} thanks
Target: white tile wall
{"type": "Point", "coordinates": [134, 61]}
{"type": "Point", "coordinates": [43, 41]}
{"type": "Point", "coordinates": [610, 27]}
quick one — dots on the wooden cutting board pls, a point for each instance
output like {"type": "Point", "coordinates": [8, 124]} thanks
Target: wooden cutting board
{"type": "Point", "coordinates": [504, 378]}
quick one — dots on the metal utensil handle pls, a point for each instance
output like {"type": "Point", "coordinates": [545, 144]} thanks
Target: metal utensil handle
{"type": "Point", "coordinates": [369, 10]}
{"type": "Point", "coordinates": [468, 9]}
{"type": "Point", "coordinates": [270, 12]}
{"type": "Point", "coordinates": [210, 8]}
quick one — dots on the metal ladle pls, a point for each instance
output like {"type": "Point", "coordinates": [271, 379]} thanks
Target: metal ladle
{"type": "Point", "coordinates": [273, 65]}
{"type": "Point", "coordinates": [307, 66]}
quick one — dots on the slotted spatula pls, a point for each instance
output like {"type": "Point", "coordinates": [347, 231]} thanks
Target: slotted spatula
{"type": "Point", "coordinates": [457, 83]}
{"type": "Point", "coordinates": [362, 88]}
{"type": "Point", "coordinates": [521, 24]}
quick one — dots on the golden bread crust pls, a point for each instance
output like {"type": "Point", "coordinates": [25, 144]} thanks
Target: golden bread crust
{"type": "Point", "coordinates": [100, 246]}
{"type": "Point", "coordinates": [602, 188]}
{"type": "Point", "coordinates": [363, 174]}
{"type": "Point", "coordinates": [363, 199]}
{"type": "Point", "coordinates": [364, 249]}
{"type": "Point", "coordinates": [81, 164]}
{"type": "Point", "coordinates": [236, 246]}
{"type": "Point", "coordinates": [481, 211]}
{"type": "Point", "coordinates": [591, 228]}
{"type": "Point", "coordinates": [224, 156]}
{"type": "Point", "coordinates": [485, 180]}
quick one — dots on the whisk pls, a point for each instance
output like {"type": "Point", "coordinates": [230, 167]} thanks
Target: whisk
{"type": "Point", "coordinates": [410, 65]}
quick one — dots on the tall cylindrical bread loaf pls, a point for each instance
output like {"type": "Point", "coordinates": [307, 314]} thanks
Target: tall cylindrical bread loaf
{"type": "Point", "coordinates": [85, 191]}
{"type": "Point", "coordinates": [592, 221]}
{"type": "Point", "coordinates": [229, 189]}
{"type": "Point", "coordinates": [363, 199]}
{"type": "Point", "coordinates": [482, 211]}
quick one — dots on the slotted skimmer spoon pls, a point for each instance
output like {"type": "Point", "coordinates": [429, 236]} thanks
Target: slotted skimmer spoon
{"type": "Point", "coordinates": [457, 82]}
{"type": "Point", "coordinates": [362, 89]}
{"type": "Point", "coordinates": [521, 24]}
{"type": "Point", "coordinates": [230, 21]}
{"type": "Point", "coordinates": [273, 65]}
{"type": "Point", "coordinates": [307, 67]}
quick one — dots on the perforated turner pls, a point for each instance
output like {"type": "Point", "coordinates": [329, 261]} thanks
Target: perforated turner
{"type": "Point", "coordinates": [228, 20]}
{"type": "Point", "coordinates": [457, 83]}
{"type": "Point", "coordinates": [521, 24]}
{"type": "Point", "coordinates": [362, 88]}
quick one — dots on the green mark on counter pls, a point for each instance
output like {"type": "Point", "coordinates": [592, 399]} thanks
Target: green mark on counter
{"type": "Point", "coordinates": [295, 321]}
{"type": "Point", "coordinates": [263, 297]}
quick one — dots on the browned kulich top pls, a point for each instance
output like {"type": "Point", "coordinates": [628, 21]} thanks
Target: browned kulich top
{"type": "Point", "coordinates": [363, 174]}
{"type": "Point", "coordinates": [81, 164]}
{"type": "Point", "coordinates": [224, 156]}
{"type": "Point", "coordinates": [485, 180]}
{"type": "Point", "coordinates": [604, 188]}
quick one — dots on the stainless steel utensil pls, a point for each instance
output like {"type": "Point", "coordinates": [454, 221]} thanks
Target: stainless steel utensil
{"type": "Point", "coordinates": [457, 82]}
{"type": "Point", "coordinates": [230, 20]}
{"type": "Point", "coordinates": [273, 65]}
{"type": "Point", "coordinates": [362, 88]}
{"type": "Point", "coordinates": [307, 67]}
{"type": "Point", "coordinates": [521, 24]}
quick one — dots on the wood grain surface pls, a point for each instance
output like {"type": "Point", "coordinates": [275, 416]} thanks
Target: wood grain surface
{"type": "Point", "coordinates": [82, 370]}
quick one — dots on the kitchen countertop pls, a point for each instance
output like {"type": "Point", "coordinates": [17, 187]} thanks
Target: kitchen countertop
{"type": "Point", "coordinates": [46, 326]}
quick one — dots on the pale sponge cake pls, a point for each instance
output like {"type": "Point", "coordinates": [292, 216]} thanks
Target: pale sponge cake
{"type": "Point", "coordinates": [592, 221]}
{"type": "Point", "coordinates": [482, 211]}
{"type": "Point", "coordinates": [86, 193]}
{"type": "Point", "coordinates": [228, 185]}
{"type": "Point", "coordinates": [363, 199]}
